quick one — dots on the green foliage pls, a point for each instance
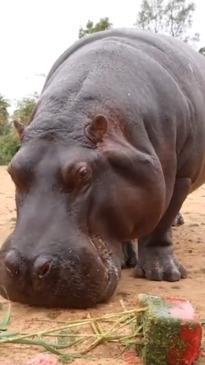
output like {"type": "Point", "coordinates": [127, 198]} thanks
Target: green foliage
{"type": "Point", "coordinates": [4, 115]}
{"type": "Point", "coordinates": [25, 108]}
{"type": "Point", "coordinates": [103, 24]}
{"type": "Point", "coordinates": [172, 17]}
{"type": "Point", "coordinates": [9, 145]}
{"type": "Point", "coordinates": [9, 142]}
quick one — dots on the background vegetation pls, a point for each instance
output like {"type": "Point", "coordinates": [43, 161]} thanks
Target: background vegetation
{"type": "Point", "coordinates": [173, 17]}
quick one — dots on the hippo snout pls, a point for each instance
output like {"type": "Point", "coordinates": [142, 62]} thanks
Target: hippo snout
{"type": "Point", "coordinates": [77, 279]}
{"type": "Point", "coordinates": [14, 264]}
{"type": "Point", "coordinates": [42, 267]}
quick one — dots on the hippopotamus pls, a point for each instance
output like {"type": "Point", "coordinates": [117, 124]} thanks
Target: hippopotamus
{"type": "Point", "coordinates": [114, 147]}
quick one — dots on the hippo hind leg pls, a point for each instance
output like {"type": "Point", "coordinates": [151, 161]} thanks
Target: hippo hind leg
{"type": "Point", "coordinates": [178, 221]}
{"type": "Point", "coordinates": [156, 260]}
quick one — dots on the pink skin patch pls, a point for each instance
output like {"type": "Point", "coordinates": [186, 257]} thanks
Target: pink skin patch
{"type": "Point", "coordinates": [43, 359]}
{"type": "Point", "coordinates": [190, 335]}
{"type": "Point", "coordinates": [181, 309]}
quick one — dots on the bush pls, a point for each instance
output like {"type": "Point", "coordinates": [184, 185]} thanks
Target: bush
{"type": "Point", "coordinates": [9, 145]}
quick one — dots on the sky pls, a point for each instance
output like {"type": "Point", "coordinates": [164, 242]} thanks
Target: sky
{"type": "Point", "coordinates": [35, 32]}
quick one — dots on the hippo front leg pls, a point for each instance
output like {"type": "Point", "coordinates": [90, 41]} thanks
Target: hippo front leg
{"type": "Point", "coordinates": [156, 259]}
{"type": "Point", "coordinates": [129, 258]}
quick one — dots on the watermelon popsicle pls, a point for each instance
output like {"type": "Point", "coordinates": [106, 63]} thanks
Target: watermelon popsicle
{"type": "Point", "coordinates": [171, 329]}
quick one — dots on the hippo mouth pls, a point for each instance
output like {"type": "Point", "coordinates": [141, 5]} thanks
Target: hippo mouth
{"type": "Point", "coordinates": [112, 268]}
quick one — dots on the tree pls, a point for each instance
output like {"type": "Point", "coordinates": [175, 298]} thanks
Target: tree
{"type": "Point", "coordinates": [9, 145]}
{"type": "Point", "coordinates": [150, 16]}
{"type": "Point", "coordinates": [25, 108]}
{"type": "Point", "coordinates": [9, 141]}
{"type": "Point", "coordinates": [4, 115]}
{"type": "Point", "coordinates": [103, 24]}
{"type": "Point", "coordinates": [202, 51]}
{"type": "Point", "coordinates": [179, 18]}
{"type": "Point", "coordinates": [172, 17]}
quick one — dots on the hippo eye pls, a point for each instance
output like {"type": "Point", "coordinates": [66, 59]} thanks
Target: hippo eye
{"type": "Point", "coordinates": [83, 174]}
{"type": "Point", "coordinates": [78, 176]}
{"type": "Point", "coordinates": [21, 175]}
{"type": "Point", "coordinates": [16, 175]}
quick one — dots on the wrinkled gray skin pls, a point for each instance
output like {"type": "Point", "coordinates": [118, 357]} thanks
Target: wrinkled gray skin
{"type": "Point", "coordinates": [115, 145]}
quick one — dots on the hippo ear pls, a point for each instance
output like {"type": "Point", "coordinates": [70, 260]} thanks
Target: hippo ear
{"type": "Point", "coordinates": [19, 128]}
{"type": "Point", "coordinates": [97, 128]}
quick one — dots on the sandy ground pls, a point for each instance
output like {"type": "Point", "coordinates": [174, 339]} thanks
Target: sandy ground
{"type": "Point", "coordinates": [189, 246]}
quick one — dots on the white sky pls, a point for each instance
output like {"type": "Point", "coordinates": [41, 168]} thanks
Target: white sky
{"type": "Point", "coordinates": [35, 32]}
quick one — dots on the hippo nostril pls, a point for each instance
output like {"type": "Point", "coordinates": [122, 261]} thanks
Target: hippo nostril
{"type": "Point", "coordinates": [42, 266]}
{"type": "Point", "coordinates": [12, 263]}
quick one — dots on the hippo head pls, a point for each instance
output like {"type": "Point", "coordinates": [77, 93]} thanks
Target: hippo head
{"type": "Point", "coordinates": [77, 200]}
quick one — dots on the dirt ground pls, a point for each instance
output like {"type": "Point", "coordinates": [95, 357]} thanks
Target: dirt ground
{"type": "Point", "coordinates": [189, 247]}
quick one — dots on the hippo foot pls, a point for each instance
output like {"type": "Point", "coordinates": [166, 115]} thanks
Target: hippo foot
{"type": "Point", "coordinates": [178, 221]}
{"type": "Point", "coordinates": [158, 263]}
